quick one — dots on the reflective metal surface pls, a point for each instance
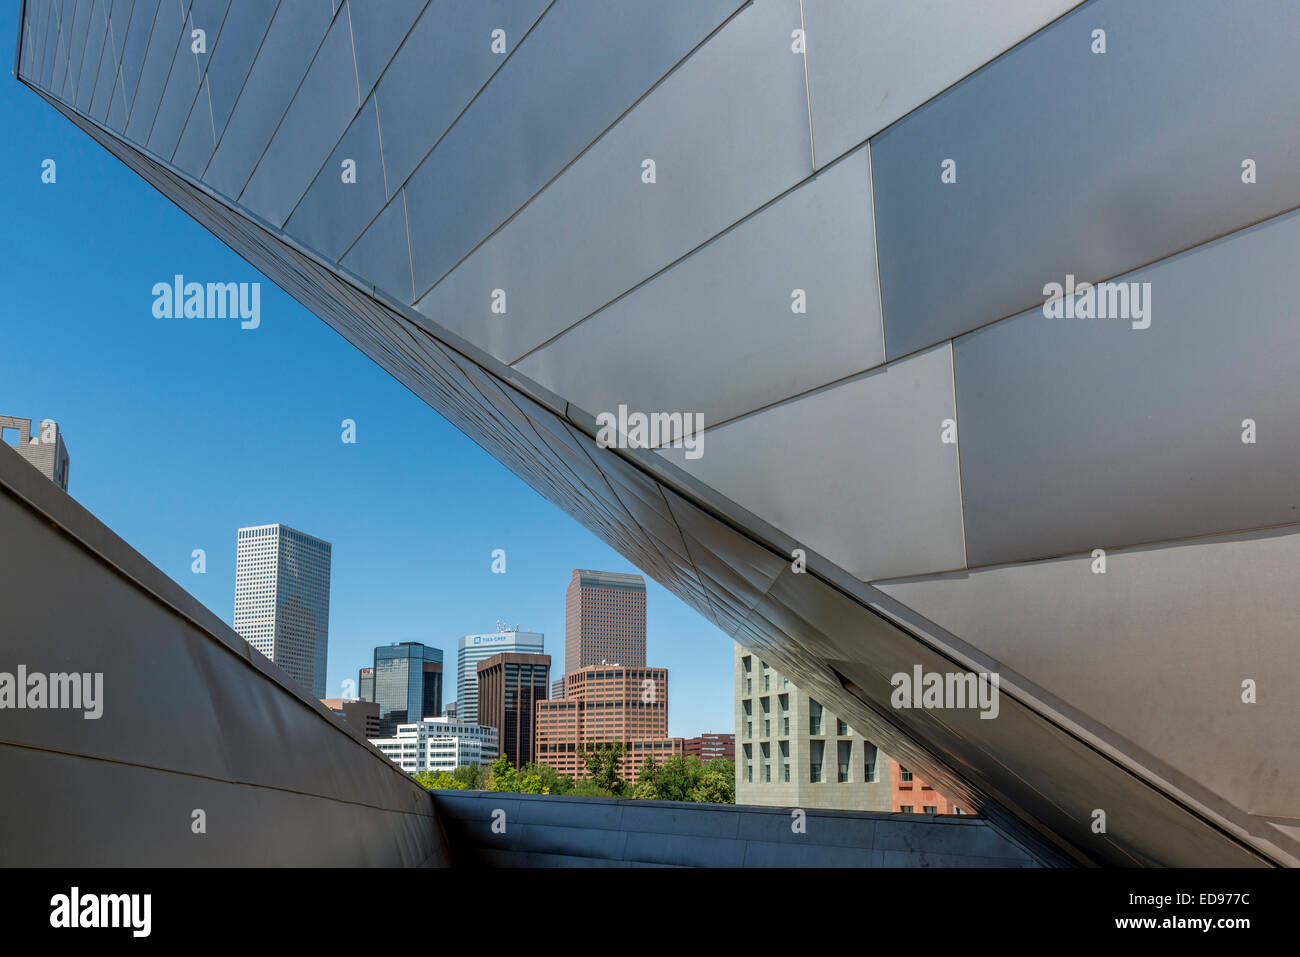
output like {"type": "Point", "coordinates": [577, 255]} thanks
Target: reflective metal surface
{"type": "Point", "coordinates": [1067, 432]}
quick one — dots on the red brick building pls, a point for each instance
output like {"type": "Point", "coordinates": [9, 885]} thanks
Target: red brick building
{"type": "Point", "coordinates": [709, 746]}
{"type": "Point", "coordinates": [911, 795]}
{"type": "Point", "coordinates": [605, 704]}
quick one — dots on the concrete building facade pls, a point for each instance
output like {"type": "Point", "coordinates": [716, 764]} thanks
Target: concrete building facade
{"type": "Point", "coordinates": [792, 751]}
{"type": "Point", "coordinates": [282, 599]}
{"type": "Point", "coordinates": [509, 687]}
{"type": "Point", "coordinates": [44, 451]}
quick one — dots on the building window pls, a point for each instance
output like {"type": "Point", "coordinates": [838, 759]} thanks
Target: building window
{"type": "Point", "coordinates": [785, 772]}
{"type": "Point", "coordinates": [767, 773]}
{"type": "Point", "coordinates": [749, 774]}
{"type": "Point", "coordinates": [842, 729]}
{"type": "Point", "coordinates": [767, 682]}
{"type": "Point", "coordinates": [749, 686]}
{"type": "Point", "coordinates": [814, 717]}
{"type": "Point", "coordinates": [845, 749]}
{"type": "Point", "coordinates": [930, 809]}
{"type": "Point", "coordinates": [816, 751]}
{"type": "Point", "coordinates": [767, 727]}
{"type": "Point", "coordinates": [904, 775]}
{"type": "Point", "coordinates": [869, 761]}
{"type": "Point", "coordinates": [905, 809]}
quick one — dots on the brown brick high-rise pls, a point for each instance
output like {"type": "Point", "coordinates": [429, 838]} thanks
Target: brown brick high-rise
{"type": "Point", "coordinates": [604, 620]}
{"type": "Point", "coordinates": [509, 686]}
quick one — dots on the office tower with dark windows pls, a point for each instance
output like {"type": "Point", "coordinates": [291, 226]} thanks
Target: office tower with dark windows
{"type": "Point", "coordinates": [282, 599]}
{"type": "Point", "coordinates": [509, 687]}
{"type": "Point", "coordinates": [366, 684]}
{"type": "Point", "coordinates": [408, 684]}
{"type": "Point", "coordinates": [44, 450]}
{"type": "Point", "coordinates": [604, 620]}
{"type": "Point", "coordinates": [471, 649]}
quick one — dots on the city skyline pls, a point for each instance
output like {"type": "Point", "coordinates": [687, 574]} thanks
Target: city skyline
{"type": "Point", "coordinates": [252, 438]}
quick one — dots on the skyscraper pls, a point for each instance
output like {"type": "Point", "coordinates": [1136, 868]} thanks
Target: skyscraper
{"type": "Point", "coordinates": [604, 620]}
{"type": "Point", "coordinates": [282, 599]}
{"type": "Point", "coordinates": [44, 450]}
{"type": "Point", "coordinates": [509, 687]}
{"type": "Point", "coordinates": [408, 684]}
{"type": "Point", "coordinates": [366, 684]}
{"type": "Point", "coordinates": [472, 649]}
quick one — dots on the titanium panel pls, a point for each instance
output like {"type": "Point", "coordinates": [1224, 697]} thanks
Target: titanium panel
{"type": "Point", "coordinates": [594, 57]}
{"type": "Point", "coordinates": [102, 94]}
{"type": "Point", "coordinates": [243, 34]}
{"type": "Point", "coordinates": [598, 229]}
{"type": "Point", "coordinates": [674, 343]}
{"type": "Point", "coordinates": [163, 43]}
{"type": "Point", "coordinates": [95, 43]}
{"type": "Point", "coordinates": [1069, 161]}
{"type": "Point", "coordinates": [318, 116]}
{"type": "Point", "coordinates": [441, 66]}
{"type": "Point", "coordinates": [378, 28]}
{"type": "Point", "coordinates": [382, 254]}
{"type": "Point", "coordinates": [856, 471]}
{"type": "Point", "coordinates": [134, 46]}
{"type": "Point", "coordinates": [290, 44]}
{"type": "Point", "coordinates": [333, 213]}
{"type": "Point", "coordinates": [197, 141]}
{"type": "Point", "coordinates": [1094, 434]}
{"type": "Point", "coordinates": [179, 96]}
{"type": "Point", "coordinates": [1213, 612]}
{"type": "Point", "coordinates": [77, 43]}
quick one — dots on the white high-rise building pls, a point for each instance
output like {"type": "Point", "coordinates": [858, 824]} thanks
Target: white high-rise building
{"type": "Point", "coordinates": [472, 649]}
{"type": "Point", "coordinates": [282, 600]}
{"type": "Point", "coordinates": [439, 744]}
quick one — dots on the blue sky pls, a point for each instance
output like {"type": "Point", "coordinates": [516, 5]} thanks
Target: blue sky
{"type": "Point", "coordinates": [180, 431]}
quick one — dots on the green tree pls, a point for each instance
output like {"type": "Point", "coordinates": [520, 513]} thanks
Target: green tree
{"type": "Point", "coordinates": [471, 777]}
{"type": "Point", "coordinates": [440, 781]}
{"type": "Point", "coordinates": [603, 766]}
{"type": "Point", "coordinates": [714, 787]}
{"type": "Point", "coordinates": [552, 780]}
{"type": "Point", "coordinates": [586, 787]}
{"type": "Point", "coordinates": [502, 776]}
{"type": "Point", "coordinates": [677, 778]}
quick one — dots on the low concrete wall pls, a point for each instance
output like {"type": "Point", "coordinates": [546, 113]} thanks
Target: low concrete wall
{"type": "Point", "coordinates": [486, 829]}
{"type": "Point", "coordinates": [193, 719]}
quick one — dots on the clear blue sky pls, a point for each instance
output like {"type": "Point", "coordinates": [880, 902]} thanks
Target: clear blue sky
{"type": "Point", "coordinates": [180, 431]}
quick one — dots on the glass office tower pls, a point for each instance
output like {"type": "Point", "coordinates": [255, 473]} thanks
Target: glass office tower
{"type": "Point", "coordinates": [408, 684]}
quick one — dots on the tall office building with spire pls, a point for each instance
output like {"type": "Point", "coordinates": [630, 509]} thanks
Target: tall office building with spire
{"type": "Point", "coordinates": [282, 600]}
